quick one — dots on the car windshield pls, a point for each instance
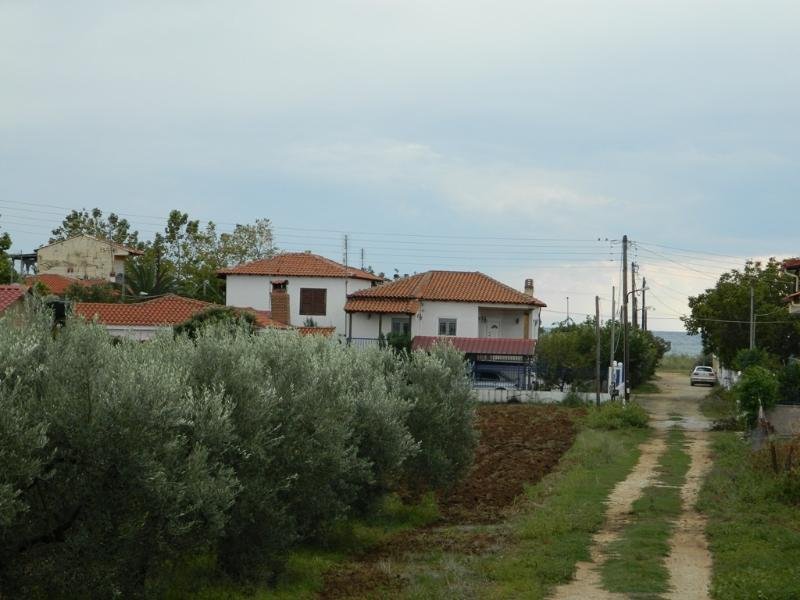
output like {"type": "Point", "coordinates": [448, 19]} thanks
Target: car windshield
{"type": "Point", "coordinates": [703, 369]}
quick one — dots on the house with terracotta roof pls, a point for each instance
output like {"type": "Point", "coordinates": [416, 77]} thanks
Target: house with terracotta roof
{"type": "Point", "coordinates": [142, 320]}
{"type": "Point", "coordinates": [12, 298]}
{"type": "Point", "coordinates": [297, 288]}
{"type": "Point", "coordinates": [58, 284]}
{"type": "Point", "coordinates": [456, 305]}
{"type": "Point", "coordinates": [792, 267]}
{"type": "Point", "coordinates": [84, 257]}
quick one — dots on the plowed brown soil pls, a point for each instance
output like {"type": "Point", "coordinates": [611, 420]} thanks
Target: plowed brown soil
{"type": "Point", "coordinates": [519, 444]}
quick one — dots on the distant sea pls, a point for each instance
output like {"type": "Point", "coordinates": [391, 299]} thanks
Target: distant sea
{"type": "Point", "coordinates": [682, 343]}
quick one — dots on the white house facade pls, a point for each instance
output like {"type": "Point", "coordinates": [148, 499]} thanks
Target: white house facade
{"type": "Point", "coordinates": [446, 304]}
{"type": "Point", "coordinates": [296, 288]}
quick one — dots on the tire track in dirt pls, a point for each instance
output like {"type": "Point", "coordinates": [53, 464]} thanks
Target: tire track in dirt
{"type": "Point", "coordinates": [689, 562]}
{"type": "Point", "coordinates": [587, 582]}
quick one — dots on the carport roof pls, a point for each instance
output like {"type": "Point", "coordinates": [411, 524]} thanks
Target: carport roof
{"type": "Point", "coordinates": [496, 346]}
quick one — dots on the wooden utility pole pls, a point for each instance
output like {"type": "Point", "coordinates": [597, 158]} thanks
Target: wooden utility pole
{"type": "Point", "coordinates": [752, 320]}
{"type": "Point", "coordinates": [626, 349]}
{"type": "Point", "coordinates": [613, 326]}
{"type": "Point", "coordinates": [597, 349]}
{"type": "Point", "coordinates": [644, 303]}
{"type": "Point", "coordinates": [634, 300]}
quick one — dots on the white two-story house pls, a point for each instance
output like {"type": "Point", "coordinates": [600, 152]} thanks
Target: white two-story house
{"type": "Point", "coordinates": [296, 288]}
{"type": "Point", "coordinates": [454, 304]}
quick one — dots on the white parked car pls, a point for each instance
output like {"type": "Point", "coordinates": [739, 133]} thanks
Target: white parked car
{"type": "Point", "coordinates": [702, 375]}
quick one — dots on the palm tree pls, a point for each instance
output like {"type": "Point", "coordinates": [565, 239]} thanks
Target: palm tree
{"type": "Point", "coordinates": [149, 276]}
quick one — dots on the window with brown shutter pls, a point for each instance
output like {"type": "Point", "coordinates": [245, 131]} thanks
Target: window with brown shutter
{"type": "Point", "coordinates": [312, 301]}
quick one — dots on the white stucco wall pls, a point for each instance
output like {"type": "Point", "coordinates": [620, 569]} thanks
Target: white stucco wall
{"type": "Point", "coordinates": [366, 326]}
{"type": "Point", "coordinates": [466, 315]}
{"type": "Point", "coordinates": [254, 291]}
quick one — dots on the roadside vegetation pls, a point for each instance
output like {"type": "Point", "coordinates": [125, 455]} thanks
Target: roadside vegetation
{"type": "Point", "coordinates": [553, 528]}
{"type": "Point", "coordinates": [550, 527]}
{"type": "Point", "coordinates": [123, 464]}
{"type": "Point", "coordinates": [636, 560]}
{"type": "Point", "coordinates": [753, 506]}
{"type": "Point", "coordinates": [566, 354]}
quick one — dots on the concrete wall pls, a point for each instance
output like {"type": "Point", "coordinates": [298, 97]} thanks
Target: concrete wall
{"type": "Point", "coordinates": [81, 257]}
{"type": "Point", "coordinates": [785, 418]}
{"type": "Point", "coordinates": [544, 397]}
{"type": "Point", "coordinates": [254, 290]}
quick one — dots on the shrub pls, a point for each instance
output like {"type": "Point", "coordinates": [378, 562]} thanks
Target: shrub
{"type": "Point", "coordinates": [573, 398]}
{"type": "Point", "coordinates": [120, 459]}
{"type": "Point", "coordinates": [757, 387]}
{"type": "Point", "coordinates": [789, 383]}
{"type": "Point", "coordinates": [441, 417]}
{"type": "Point", "coordinates": [749, 357]}
{"type": "Point", "coordinates": [616, 415]}
{"type": "Point", "coordinates": [119, 471]}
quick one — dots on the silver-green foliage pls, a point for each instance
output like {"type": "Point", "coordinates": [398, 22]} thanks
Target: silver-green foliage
{"type": "Point", "coordinates": [117, 457]}
{"type": "Point", "coordinates": [121, 469]}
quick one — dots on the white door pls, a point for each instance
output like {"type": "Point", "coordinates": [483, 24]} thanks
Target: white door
{"type": "Point", "coordinates": [492, 327]}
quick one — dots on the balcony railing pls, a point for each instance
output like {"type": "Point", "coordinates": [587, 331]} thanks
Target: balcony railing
{"type": "Point", "coordinates": [363, 342]}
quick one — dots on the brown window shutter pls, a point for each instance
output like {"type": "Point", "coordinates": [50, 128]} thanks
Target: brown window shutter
{"type": "Point", "coordinates": [312, 301]}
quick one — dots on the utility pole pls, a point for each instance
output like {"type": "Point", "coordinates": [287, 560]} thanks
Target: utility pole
{"type": "Point", "coordinates": [752, 321]}
{"type": "Point", "coordinates": [362, 259]}
{"type": "Point", "coordinates": [597, 349]}
{"type": "Point", "coordinates": [634, 300]}
{"type": "Point", "coordinates": [613, 323]}
{"type": "Point", "coordinates": [567, 310]}
{"type": "Point", "coordinates": [626, 349]}
{"type": "Point", "coordinates": [644, 303]}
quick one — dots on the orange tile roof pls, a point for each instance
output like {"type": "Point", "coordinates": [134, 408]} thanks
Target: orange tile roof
{"type": "Point", "coordinates": [323, 331]}
{"type": "Point", "coordinates": [446, 286]}
{"type": "Point", "coordinates": [298, 264]}
{"type": "Point", "coordinates": [58, 284]}
{"type": "Point", "coordinates": [167, 310]}
{"type": "Point", "coordinates": [9, 294]}
{"type": "Point", "coordinates": [382, 305]}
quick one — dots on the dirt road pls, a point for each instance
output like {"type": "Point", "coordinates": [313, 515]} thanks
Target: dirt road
{"type": "Point", "coordinates": [689, 561]}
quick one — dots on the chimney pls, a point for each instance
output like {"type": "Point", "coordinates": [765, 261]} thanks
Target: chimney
{"type": "Point", "coordinates": [279, 302]}
{"type": "Point", "coordinates": [529, 287]}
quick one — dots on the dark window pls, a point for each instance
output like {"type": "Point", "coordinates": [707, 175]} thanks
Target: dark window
{"type": "Point", "coordinates": [312, 301]}
{"type": "Point", "coordinates": [400, 325]}
{"type": "Point", "coordinates": [447, 326]}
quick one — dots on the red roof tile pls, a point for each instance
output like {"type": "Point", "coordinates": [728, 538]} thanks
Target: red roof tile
{"type": "Point", "coordinates": [503, 346]}
{"type": "Point", "coordinates": [298, 264]}
{"type": "Point", "coordinates": [382, 305]}
{"type": "Point", "coordinates": [58, 284]}
{"type": "Point", "coordinates": [323, 331]}
{"type": "Point", "coordinates": [791, 263]}
{"type": "Point", "coordinates": [447, 286]}
{"type": "Point", "coordinates": [167, 310]}
{"type": "Point", "coordinates": [9, 294]}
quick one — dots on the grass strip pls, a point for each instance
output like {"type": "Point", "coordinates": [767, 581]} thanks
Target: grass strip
{"type": "Point", "coordinates": [557, 517]}
{"type": "Point", "coordinates": [304, 576]}
{"type": "Point", "coordinates": [753, 528]}
{"type": "Point", "coordinates": [636, 560]}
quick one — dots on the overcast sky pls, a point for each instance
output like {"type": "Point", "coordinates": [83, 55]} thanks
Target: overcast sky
{"type": "Point", "coordinates": [501, 136]}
